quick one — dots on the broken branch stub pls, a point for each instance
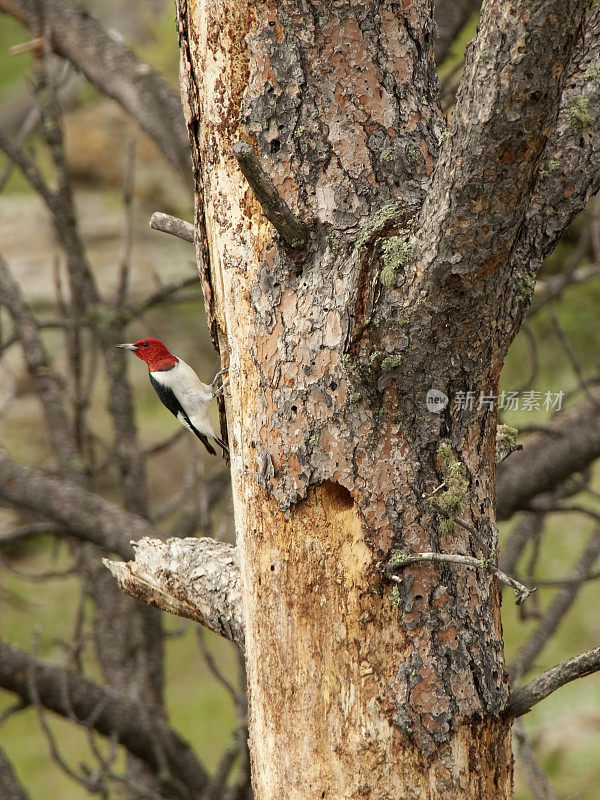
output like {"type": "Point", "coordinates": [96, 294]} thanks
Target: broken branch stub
{"type": "Point", "coordinates": [292, 231]}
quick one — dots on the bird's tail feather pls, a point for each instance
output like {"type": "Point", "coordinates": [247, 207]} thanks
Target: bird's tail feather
{"type": "Point", "coordinates": [223, 446]}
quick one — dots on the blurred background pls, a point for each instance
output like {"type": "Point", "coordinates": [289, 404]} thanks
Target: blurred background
{"type": "Point", "coordinates": [80, 270]}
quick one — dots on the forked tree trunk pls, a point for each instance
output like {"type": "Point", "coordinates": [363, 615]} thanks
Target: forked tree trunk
{"type": "Point", "coordinates": [358, 690]}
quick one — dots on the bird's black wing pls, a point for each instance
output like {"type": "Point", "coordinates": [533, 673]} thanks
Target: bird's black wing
{"type": "Point", "coordinates": [168, 399]}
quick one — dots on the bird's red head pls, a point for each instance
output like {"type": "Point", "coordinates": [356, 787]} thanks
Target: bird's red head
{"type": "Point", "coordinates": [153, 352]}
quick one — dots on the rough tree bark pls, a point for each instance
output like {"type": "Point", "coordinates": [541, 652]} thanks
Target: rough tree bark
{"type": "Point", "coordinates": [414, 278]}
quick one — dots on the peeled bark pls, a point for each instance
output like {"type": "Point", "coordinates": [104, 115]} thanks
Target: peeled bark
{"type": "Point", "coordinates": [357, 690]}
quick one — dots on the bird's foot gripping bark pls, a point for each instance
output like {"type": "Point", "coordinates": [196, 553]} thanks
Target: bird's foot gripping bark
{"type": "Point", "coordinates": [224, 383]}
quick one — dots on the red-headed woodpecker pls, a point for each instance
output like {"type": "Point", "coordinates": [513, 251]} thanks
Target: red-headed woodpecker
{"type": "Point", "coordinates": [179, 389]}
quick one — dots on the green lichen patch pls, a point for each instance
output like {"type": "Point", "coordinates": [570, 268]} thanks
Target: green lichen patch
{"type": "Point", "coordinates": [375, 224]}
{"type": "Point", "coordinates": [391, 362]}
{"type": "Point", "coordinates": [507, 435]}
{"type": "Point", "coordinates": [395, 596]}
{"type": "Point", "coordinates": [487, 562]}
{"type": "Point", "coordinates": [551, 166]}
{"type": "Point", "coordinates": [524, 286]}
{"type": "Point", "coordinates": [593, 73]}
{"type": "Point", "coordinates": [388, 154]}
{"type": "Point", "coordinates": [578, 113]}
{"type": "Point", "coordinates": [506, 442]}
{"type": "Point", "coordinates": [398, 558]}
{"type": "Point", "coordinates": [413, 154]}
{"type": "Point", "coordinates": [451, 501]}
{"type": "Point", "coordinates": [397, 253]}
{"type": "Point", "coordinates": [447, 526]}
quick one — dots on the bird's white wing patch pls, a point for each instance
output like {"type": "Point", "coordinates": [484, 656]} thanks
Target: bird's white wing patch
{"type": "Point", "coordinates": [184, 421]}
{"type": "Point", "coordinates": [194, 396]}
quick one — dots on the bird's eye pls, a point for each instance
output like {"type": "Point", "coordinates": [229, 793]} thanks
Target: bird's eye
{"type": "Point", "coordinates": [145, 344]}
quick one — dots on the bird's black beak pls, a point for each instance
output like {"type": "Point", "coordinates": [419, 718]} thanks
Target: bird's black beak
{"type": "Point", "coordinates": [128, 347]}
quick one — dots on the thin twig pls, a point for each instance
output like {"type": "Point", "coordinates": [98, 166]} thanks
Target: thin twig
{"type": "Point", "coordinates": [463, 524]}
{"type": "Point", "coordinates": [34, 577]}
{"type": "Point", "coordinates": [521, 592]}
{"type": "Point", "coordinates": [524, 529]}
{"type": "Point", "coordinates": [570, 353]}
{"type": "Point", "coordinates": [292, 231]}
{"type": "Point", "coordinates": [41, 714]}
{"type": "Point", "coordinates": [551, 288]}
{"type": "Point", "coordinates": [162, 294]}
{"type": "Point", "coordinates": [27, 531]}
{"type": "Point", "coordinates": [216, 787]}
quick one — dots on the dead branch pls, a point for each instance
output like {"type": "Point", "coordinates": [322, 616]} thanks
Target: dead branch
{"type": "Point", "coordinates": [83, 514]}
{"type": "Point", "coordinates": [195, 578]}
{"type": "Point", "coordinates": [293, 232]}
{"type": "Point", "coordinates": [521, 592]}
{"type": "Point", "coordinates": [173, 225]}
{"type": "Point", "coordinates": [110, 713]}
{"type": "Point", "coordinates": [523, 699]}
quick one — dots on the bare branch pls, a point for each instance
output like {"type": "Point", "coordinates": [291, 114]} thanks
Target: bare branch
{"type": "Point", "coordinates": [523, 699]}
{"type": "Point", "coordinates": [292, 231]}
{"type": "Point", "coordinates": [110, 713]}
{"type": "Point", "coordinates": [117, 72]}
{"type": "Point", "coordinates": [195, 578]}
{"type": "Point", "coordinates": [521, 592]}
{"type": "Point", "coordinates": [548, 458]}
{"type": "Point", "coordinates": [10, 788]}
{"type": "Point", "coordinates": [83, 514]}
{"type": "Point", "coordinates": [173, 225]}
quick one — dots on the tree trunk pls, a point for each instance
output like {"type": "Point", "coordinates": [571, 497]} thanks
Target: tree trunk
{"type": "Point", "coordinates": [359, 685]}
